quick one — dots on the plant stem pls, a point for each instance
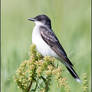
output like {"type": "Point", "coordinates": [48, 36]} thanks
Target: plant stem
{"type": "Point", "coordinates": [29, 86]}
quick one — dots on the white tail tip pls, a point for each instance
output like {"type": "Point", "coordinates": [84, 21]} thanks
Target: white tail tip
{"type": "Point", "coordinates": [78, 80]}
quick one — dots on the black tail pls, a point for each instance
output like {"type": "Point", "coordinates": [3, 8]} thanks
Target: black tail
{"type": "Point", "coordinates": [73, 73]}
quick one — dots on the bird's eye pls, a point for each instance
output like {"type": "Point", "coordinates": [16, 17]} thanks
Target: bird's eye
{"type": "Point", "coordinates": [39, 19]}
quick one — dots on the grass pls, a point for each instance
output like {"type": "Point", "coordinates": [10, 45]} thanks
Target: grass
{"type": "Point", "coordinates": [70, 22]}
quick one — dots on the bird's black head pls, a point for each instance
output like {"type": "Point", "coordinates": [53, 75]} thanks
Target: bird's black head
{"type": "Point", "coordinates": [42, 19]}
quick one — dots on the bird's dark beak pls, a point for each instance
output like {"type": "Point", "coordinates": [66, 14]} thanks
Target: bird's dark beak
{"type": "Point", "coordinates": [31, 19]}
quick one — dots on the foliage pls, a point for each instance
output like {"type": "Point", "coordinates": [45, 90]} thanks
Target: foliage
{"type": "Point", "coordinates": [85, 83]}
{"type": "Point", "coordinates": [39, 70]}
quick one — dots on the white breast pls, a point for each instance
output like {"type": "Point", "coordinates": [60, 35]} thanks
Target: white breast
{"type": "Point", "coordinates": [41, 45]}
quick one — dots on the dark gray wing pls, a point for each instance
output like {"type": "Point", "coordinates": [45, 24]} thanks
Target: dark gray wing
{"type": "Point", "coordinates": [50, 38]}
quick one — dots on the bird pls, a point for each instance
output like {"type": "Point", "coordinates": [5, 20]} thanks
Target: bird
{"type": "Point", "coordinates": [47, 43]}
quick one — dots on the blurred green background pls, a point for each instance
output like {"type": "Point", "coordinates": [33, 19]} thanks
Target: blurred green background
{"type": "Point", "coordinates": [71, 23]}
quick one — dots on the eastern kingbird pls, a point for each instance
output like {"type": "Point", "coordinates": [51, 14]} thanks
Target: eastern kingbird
{"type": "Point", "coordinates": [48, 44]}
